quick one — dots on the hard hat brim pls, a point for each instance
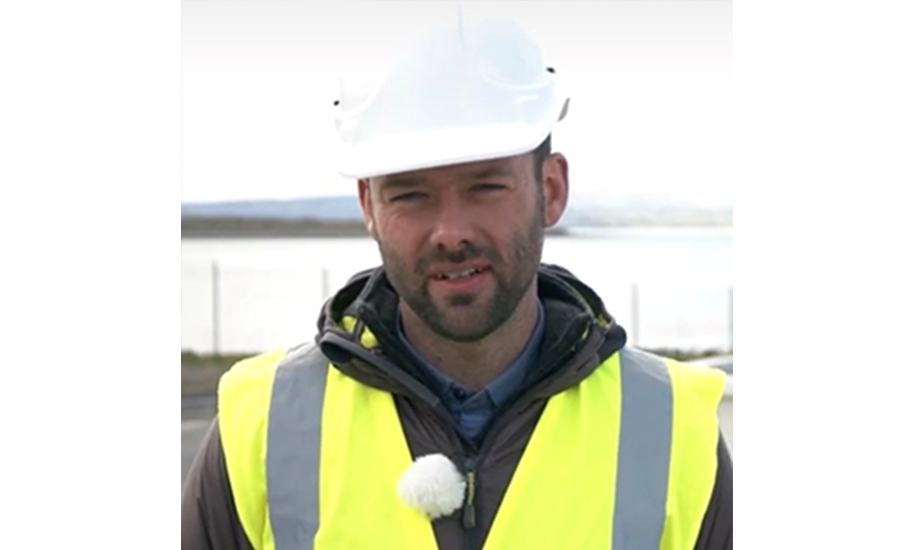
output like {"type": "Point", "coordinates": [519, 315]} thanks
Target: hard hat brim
{"type": "Point", "coordinates": [412, 151]}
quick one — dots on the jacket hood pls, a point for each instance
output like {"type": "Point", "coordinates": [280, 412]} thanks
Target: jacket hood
{"type": "Point", "coordinates": [358, 333]}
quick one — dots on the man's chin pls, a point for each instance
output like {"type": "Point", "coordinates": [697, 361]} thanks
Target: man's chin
{"type": "Point", "coordinates": [464, 335]}
{"type": "Point", "coordinates": [457, 301]}
{"type": "Point", "coordinates": [466, 328]}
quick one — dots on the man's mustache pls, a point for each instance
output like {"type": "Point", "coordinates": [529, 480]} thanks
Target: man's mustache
{"type": "Point", "coordinates": [463, 254]}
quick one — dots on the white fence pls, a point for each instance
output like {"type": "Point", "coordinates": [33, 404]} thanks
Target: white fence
{"type": "Point", "coordinates": [241, 309]}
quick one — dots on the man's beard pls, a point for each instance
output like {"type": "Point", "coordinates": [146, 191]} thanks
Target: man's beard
{"type": "Point", "coordinates": [512, 279]}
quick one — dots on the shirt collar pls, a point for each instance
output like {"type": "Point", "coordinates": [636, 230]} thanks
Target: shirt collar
{"type": "Point", "coordinates": [507, 382]}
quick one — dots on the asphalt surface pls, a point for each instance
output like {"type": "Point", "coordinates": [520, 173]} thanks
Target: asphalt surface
{"type": "Point", "coordinates": [196, 416]}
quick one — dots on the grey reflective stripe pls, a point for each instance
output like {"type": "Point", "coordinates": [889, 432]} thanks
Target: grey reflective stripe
{"type": "Point", "coordinates": [293, 448]}
{"type": "Point", "coordinates": [644, 451]}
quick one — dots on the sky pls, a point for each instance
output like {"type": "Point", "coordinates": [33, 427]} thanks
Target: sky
{"type": "Point", "coordinates": [651, 92]}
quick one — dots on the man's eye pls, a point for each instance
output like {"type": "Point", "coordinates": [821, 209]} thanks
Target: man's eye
{"type": "Point", "coordinates": [488, 187]}
{"type": "Point", "coordinates": [407, 197]}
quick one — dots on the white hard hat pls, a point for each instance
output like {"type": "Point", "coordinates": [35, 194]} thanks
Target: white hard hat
{"type": "Point", "coordinates": [474, 90]}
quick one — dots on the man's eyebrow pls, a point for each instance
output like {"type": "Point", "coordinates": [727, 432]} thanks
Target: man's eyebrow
{"type": "Point", "coordinates": [394, 183]}
{"type": "Point", "coordinates": [489, 172]}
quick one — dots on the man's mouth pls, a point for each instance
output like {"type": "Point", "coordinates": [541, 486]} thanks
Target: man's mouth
{"type": "Point", "coordinates": [456, 275]}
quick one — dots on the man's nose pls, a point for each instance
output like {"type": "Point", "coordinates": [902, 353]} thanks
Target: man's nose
{"type": "Point", "coordinates": [453, 226]}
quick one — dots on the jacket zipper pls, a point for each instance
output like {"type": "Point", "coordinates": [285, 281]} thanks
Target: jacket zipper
{"type": "Point", "coordinates": [468, 509]}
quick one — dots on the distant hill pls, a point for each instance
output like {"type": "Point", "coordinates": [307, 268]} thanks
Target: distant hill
{"type": "Point", "coordinates": [320, 208]}
{"type": "Point", "coordinates": [341, 216]}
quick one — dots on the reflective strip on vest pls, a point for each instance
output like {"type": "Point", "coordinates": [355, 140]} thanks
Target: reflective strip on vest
{"type": "Point", "coordinates": [643, 452]}
{"type": "Point", "coordinates": [293, 460]}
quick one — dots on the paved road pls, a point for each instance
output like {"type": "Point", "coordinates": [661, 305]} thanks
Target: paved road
{"type": "Point", "coordinates": [196, 415]}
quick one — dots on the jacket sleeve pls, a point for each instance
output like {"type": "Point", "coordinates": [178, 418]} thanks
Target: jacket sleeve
{"type": "Point", "coordinates": [716, 530]}
{"type": "Point", "coordinates": [209, 520]}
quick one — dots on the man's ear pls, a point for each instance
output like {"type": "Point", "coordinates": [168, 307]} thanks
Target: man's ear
{"type": "Point", "coordinates": [367, 207]}
{"type": "Point", "coordinates": [555, 187]}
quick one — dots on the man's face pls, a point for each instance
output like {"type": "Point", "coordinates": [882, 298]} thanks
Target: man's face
{"type": "Point", "coordinates": [461, 244]}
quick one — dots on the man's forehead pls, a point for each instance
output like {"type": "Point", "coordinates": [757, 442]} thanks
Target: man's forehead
{"type": "Point", "coordinates": [496, 168]}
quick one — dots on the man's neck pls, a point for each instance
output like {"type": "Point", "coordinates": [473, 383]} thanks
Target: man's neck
{"type": "Point", "coordinates": [475, 364]}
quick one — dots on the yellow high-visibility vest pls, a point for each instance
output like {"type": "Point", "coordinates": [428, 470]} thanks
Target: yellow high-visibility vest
{"type": "Point", "coordinates": [625, 459]}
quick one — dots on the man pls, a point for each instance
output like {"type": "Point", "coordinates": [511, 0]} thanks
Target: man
{"type": "Point", "coordinates": [547, 430]}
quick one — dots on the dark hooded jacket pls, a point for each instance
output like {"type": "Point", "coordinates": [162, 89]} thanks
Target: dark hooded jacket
{"type": "Point", "coordinates": [579, 335]}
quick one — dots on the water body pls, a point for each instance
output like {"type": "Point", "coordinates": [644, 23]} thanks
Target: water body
{"type": "Point", "coordinates": [670, 287]}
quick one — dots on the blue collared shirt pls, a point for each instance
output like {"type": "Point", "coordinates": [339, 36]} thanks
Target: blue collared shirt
{"type": "Point", "coordinates": [474, 411]}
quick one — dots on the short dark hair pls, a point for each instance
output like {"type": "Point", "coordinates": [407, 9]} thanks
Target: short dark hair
{"type": "Point", "coordinates": [539, 155]}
